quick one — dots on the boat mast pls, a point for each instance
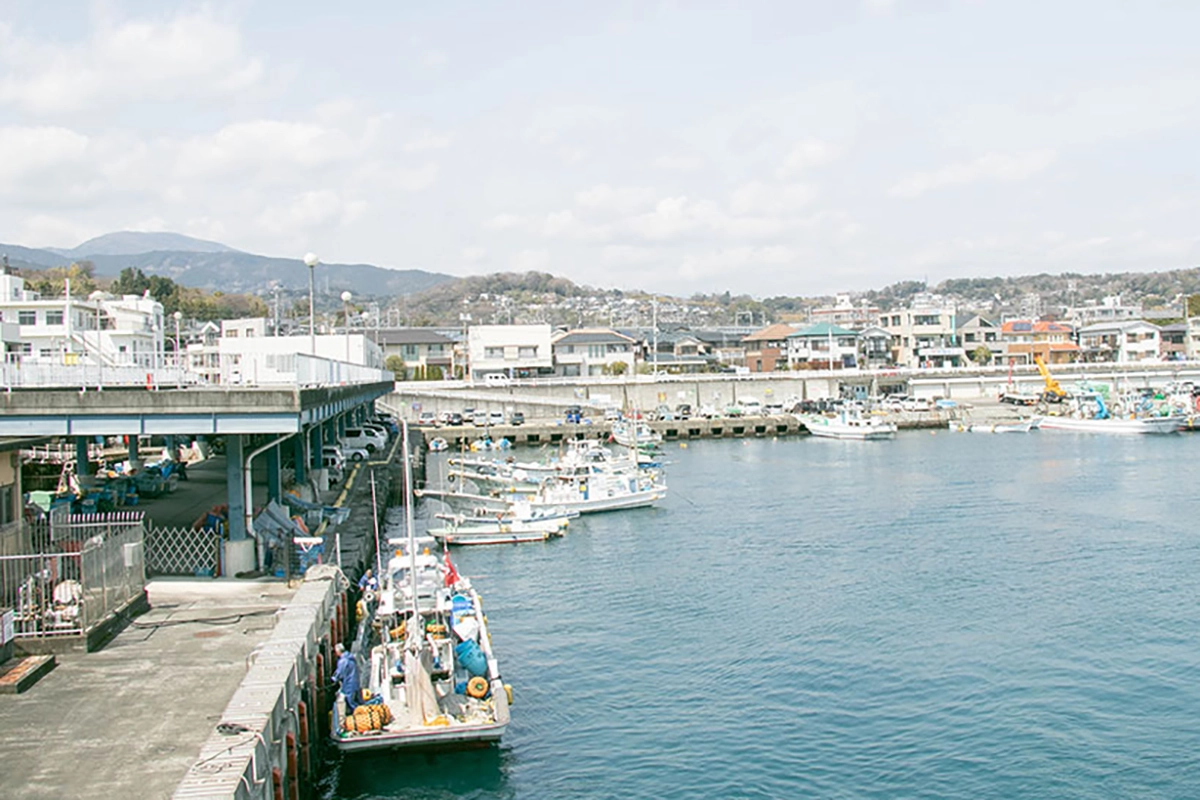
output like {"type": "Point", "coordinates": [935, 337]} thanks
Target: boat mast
{"type": "Point", "coordinates": [408, 523]}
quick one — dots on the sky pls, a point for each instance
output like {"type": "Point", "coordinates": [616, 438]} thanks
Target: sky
{"type": "Point", "coordinates": [762, 148]}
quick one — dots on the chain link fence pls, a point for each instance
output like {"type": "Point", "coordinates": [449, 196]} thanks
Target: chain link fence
{"type": "Point", "coordinates": [183, 551]}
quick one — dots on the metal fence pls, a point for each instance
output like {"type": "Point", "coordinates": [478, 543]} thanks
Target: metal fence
{"type": "Point", "coordinates": [183, 551]}
{"type": "Point", "coordinates": [92, 568]}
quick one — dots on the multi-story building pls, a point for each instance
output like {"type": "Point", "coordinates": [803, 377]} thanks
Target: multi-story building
{"type": "Point", "coordinates": [977, 332]}
{"type": "Point", "coordinates": [593, 351]}
{"type": "Point", "coordinates": [518, 351]}
{"type": "Point", "coordinates": [766, 349]}
{"type": "Point", "coordinates": [874, 348]}
{"type": "Point", "coordinates": [1109, 309]}
{"type": "Point", "coordinates": [1174, 341]}
{"type": "Point", "coordinates": [101, 328]}
{"type": "Point", "coordinates": [1024, 338]}
{"type": "Point", "coordinates": [420, 349]}
{"type": "Point", "coordinates": [846, 313]}
{"type": "Point", "coordinates": [822, 346]}
{"type": "Point", "coordinates": [923, 335]}
{"type": "Point", "coordinates": [1123, 342]}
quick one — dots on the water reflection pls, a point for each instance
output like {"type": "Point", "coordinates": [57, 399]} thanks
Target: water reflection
{"type": "Point", "coordinates": [419, 774]}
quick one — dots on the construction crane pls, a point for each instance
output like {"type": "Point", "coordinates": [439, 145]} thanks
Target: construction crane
{"type": "Point", "coordinates": [1054, 393]}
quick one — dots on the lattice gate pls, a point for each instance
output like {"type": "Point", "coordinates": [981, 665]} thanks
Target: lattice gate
{"type": "Point", "coordinates": [183, 551]}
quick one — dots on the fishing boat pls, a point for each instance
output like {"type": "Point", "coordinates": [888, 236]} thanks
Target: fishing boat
{"type": "Point", "coordinates": [1087, 412]}
{"type": "Point", "coordinates": [463, 529]}
{"type": "Point", "coordinates": [635, 433]}
{"type": "Point", "coordinates": [848, 425]}
{"type": "Point", "coordinates": [431, 676]}
{"type": "Point", "coordinates": [438, 445]}
{"type": "Point", "coordinates": [601, 490]}
{"type": "Point", "coordinates": [966, 426]}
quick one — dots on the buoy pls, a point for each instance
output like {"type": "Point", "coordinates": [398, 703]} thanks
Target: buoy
{"type": "Point", "coordinates": [508, 692]}
{"type": "Point", "coordinates": [477, 687]}
{"type": "Point", "coordinates": [683, 445]}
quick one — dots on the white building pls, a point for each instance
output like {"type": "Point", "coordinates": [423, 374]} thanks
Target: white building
{"type": "Point", "coordinates": [518, 351]}
{"type": "Point", "coordinates": [924, 333]}
{"type": "Point", "coordinates": [846, 313]}
{"type": "Point", "coordinates": [100, 328]}
{"type": "Point", "coordinates": [1109, 309]}
{"type": "Point", "coordinates": [593, 352]}
{"type": "Point", "coordinates": [247, 354]}
{"type": "Point", "coordinates": [1123, 342]}
{"type": "Point", "coordinates": [822, 346]}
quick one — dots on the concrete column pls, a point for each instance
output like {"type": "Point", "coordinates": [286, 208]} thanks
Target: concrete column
{"type": "Point", "coordinates": [298, 459]}
{"type": "Point", "coordinates": [341, 425]}
{"type": "Point", "coordinates": [81, 456]}
{"type": "Point", "coordinates": [235, 487]}
{"type": "Point", "coordinates": [315, 441]}
{"type": "Point", "coordinates": [274, 479]}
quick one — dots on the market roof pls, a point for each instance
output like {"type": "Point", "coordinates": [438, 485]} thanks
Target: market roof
{"type": "Point", "coordinates": [822, 329]}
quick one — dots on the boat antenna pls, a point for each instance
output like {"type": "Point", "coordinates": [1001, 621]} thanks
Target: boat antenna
{"type": "Point", "coordinates": [375, 517]}
{"type": "Point", "coordinates": [408, 523]}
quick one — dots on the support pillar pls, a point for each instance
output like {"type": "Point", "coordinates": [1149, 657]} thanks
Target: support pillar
{"type": "Point", "coordinates": [81, 456]}
{"type": "Point", "coordinates": [299, 461]}
{"type": "Point", "coordinates": [315, 443]}
{"type": "Point", "coordinates": [235, 486]}
{"type": "Point", "coordinates": [135, 460]}
{"type": "Point", "coordinates": [274, 479]}
{"type": "Point", "coordinates": [341, 425]}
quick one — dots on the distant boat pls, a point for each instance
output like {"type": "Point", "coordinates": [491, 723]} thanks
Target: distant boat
{"type": "Point", "coordinates": [463, 529]}
{"type": "Point", "coordinates": [1111, 425]}
{"type": "Point", "coordinates": [438, 445]}
{"type": "Point", "coordinates": [965, 426]}
{"type": "Point", "coordinates": [848, 425]}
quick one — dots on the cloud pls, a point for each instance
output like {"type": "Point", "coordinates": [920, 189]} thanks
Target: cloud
{"type": "Point", "coordinates": [427, 140]}
{"type": "Point", "coordinates": [531, 260]}
{"type": "Point", "coordinates": [879, 8]}
{"type": "Point", "coordinates": [761, 198]}
{"type": "Point", "coordinates": [806, 154]}
{"type": "Point", "coordinates": [504, 222]}
{"type": "Point", "coordinates": [301, 214]}
{"type": "Point", "coordinates": [993, 167]}
{"type": "Point", "coordinates": [618, 199]}
{"type": "Point", "coordinates": [734, 261]}
{"type": "Point", "coordinates": [678, 162]}
{"type": "Point", "coordinates": [188, 56]}
{"type": "Point", "coordinates": [473, 255]}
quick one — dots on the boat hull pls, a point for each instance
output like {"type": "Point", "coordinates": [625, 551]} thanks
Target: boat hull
{"type": "Point", "coordinates": [616, 502]}
{"type": "Point", "coordinates": [1157, 425]}
{"type": "Point", "coordinates": [439, 737]}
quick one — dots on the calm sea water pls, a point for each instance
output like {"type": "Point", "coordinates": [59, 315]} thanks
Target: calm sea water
{"type": "Point", "coordinates": [949, 615]}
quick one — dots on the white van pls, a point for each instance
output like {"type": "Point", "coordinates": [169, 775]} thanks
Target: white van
{"type": "Point", "coordinates": [363, 437]}
{"type": "Point", "coordinates": [496, 379]}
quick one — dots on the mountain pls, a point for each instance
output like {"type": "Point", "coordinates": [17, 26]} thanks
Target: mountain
{"type": "Point", "coordinates": [129, 243]}
{"type": "Point", "coordinates": [217, 267]}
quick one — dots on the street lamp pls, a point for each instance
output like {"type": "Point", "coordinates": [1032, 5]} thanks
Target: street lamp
{"type": "Point", "coordinates": [346, 313]}
{"type": "Point", "coordinates": [178, 316]}
{"type": "Point", "coordinates": [311, 261]}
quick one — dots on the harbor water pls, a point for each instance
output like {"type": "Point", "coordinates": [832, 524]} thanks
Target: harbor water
{"type": "Point", "coordinates": [942, 615]}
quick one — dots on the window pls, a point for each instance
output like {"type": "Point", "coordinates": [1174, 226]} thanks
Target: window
{"type": "Point", "coordinates": [27, 317]}
{"type": "Point", "coordinates": [408, 351]}
{"type": "Point", "coordinates": [493, 352]}
{"type": "Point", "coordinates": [566, 349]}
{"type": "Point", "coordinates": [249, 333]}
{"type": "Point", "coordinates": [596, 351]}
{"type": "Point", "coordinates": [231, 334]}
{"type": "Point", "coordinates": [45, 352]}
{"type": "Point", "coordinates": [435, 349]}
{"type": "Point", "coordinates": [54, 318]}
{"type": "Point", "coordinates": [527, 351]}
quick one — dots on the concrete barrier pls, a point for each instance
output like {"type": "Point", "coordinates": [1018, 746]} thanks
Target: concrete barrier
{"type": "Point", "coordinates": [265, 743]}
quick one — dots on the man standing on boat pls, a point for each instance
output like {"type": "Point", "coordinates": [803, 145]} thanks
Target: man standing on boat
{"type": "Point", "coordinates": [347, 675]}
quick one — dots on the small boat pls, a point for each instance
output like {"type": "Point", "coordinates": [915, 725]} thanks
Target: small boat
{"type": "Point", "coordinates": [633, 433]}
{"type": "Point", "coordinates": [431, 678]}
{"type": "Point", "coordinates": [966, 426]}
{"type": "Point", "coordinates": [1087, 412]}
{"type": "Point", "coordinates": [463, 529]}
{"type": "Point", "coordinates": [848, 425]}
{"type": "Point", "coordinates": [438, 445]}
{"type": "Point", "coordinates": [601, 491]}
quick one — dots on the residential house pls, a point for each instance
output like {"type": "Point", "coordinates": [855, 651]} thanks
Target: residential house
{"type": "Point", "coordinates": [1174, 341]}
{"type": "Point", "coordinates": [822, 346]}
{"type": "Point", "coordinates": [976, 332]}
{"type": "Point", "coordinates": [101, 328]}
{"type": "Point", "coordinates": [421, 349]}
{"type": "Point", "coordinates": [1053, 341]}
{"type": "Point", "coordinates": [846, 313]}
{"type": "Point", "coordinates": [723, 346]}
{"type": "Point", "coordinates": [766, 349]}
{"type": "Point", "coordinates": [874, 348]}
{"type": "Point", "coordinates": [1109, 309]}
{"type": "Point", "coordinates": [518, 351]}
{"type": "Point", "coordinates": [1130, 342]}
{"type": "Point", "coordinates": [593, 351]}
{"type": "Point", "coordinates": [924, 334]}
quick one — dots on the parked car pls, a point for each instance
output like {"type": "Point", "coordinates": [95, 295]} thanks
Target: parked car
{"type": "Point", "coordinates": [496, 418]}
{"type": "Point", "coordinates": [663, 412]}
{"type": "Point", "coordinates": [708, 411]}
{"type": "Point", "coordinates": [333, 468]}
{"type": "Point", "coordinates": [516, 418]}
{"type": "Point", "coordinates": [771, 409]}
{"type": "Point", "coordinates": [366, 438]}
{"type": "Point", "coordinates": [574, 414]}
{"type": "Point", "coordinates": [479, 419]}
{"type": "Point", "coordinates": [346, 453]}
{"type": "Point", "coordinates": [496, 379]}
{"type": "Point", "coordinates": [455, 418]}
{"type": "Point", "coordinates": [427, 418]}
{"type": "Point", "coordinates": [683, 411]}
{"type": "Point", "coordinates": [751, 407]}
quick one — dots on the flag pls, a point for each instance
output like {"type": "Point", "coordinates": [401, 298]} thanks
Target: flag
{"type": "Point", "coordinates": [451, 572]}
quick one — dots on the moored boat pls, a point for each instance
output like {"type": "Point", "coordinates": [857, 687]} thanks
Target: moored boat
{"type": "Point", "coordinates": [847, 425]}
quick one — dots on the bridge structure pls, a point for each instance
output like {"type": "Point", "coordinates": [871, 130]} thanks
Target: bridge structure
{"type": "Point", "coordinates": [252, 421]}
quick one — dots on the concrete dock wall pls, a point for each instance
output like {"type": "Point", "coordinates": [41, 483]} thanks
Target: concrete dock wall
{"type": "Point", "coordinates": [266, 742]}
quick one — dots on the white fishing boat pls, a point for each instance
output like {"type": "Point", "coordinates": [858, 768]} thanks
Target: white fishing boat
{"type": "Point", "coordinates": [462, 529]}
{"type": "Point", "coordinates": [967, 426]}
{"type": "Point", "coordinates": [431, 675]}
{"type": "Point", "coordinates": [601, 491]}
{"type": "Point", "coordinates": [1113, 425]}
{"type": "Point", "coordinates": [1087, 412]}
{"type": "Point", "coordinates": [635, 433]}
{"type": "Point", "coordinates": [847, 425]}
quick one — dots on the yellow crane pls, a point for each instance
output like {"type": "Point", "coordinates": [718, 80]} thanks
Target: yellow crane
{"type": "Point", "coordinates": [1054, 392]}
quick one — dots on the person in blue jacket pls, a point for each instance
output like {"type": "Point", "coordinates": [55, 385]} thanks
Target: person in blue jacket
{"type": "Point", "coordinates": [347, 675]}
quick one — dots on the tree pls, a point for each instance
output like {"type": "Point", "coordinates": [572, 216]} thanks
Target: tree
{"type": "Point", "coordinates": [617, 368]}
{"type": "Point", "coordinates": [395, 365]}
{"type": "Point", "coordinates": [981, 355]}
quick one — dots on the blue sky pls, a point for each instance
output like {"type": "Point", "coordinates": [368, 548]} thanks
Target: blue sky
{"type": "Point", "coordinates": [677, 147]}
